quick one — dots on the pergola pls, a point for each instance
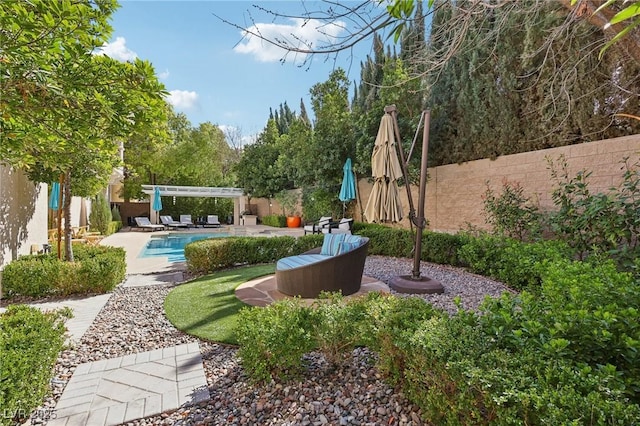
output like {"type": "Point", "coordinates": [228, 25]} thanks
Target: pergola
{"type": "Point", "coordinates": [198, 191]}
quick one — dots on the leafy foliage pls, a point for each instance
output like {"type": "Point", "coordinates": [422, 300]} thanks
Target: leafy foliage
{"type": "Point", "coordinates": [597, 224]}
{"type": "Point", "coordinates": [274, 339]}
{"type": "Point", "coordinates": [97, 269]}
{"type": "Point", "coordinates": [511, 213]}
{"type": "Point", "coordinates": [100, 215]}
{"type": "Point", "coordinates": [30, 342]}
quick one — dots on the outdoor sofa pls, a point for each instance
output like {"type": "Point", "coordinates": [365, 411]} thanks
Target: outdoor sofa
{"type": "Point", "coordinates": [337, 266]}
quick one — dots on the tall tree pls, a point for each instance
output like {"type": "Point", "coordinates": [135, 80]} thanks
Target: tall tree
{"type": "Point", "coordinates": [64, 110]}
{"type": "Point", "coordinates": [333, 139]}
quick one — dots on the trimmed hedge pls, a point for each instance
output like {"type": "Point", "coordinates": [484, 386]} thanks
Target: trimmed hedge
{"type": "Point", "coordinates": [210, 255]}
{"type": "Point", "coordinates": [96, 269]}
{"type": "Point", "coordinates": [278, 221]}
{"type": "Point", "coordinates": [30, 342]}
{"type": "Point", "coordinates": [207, 256]}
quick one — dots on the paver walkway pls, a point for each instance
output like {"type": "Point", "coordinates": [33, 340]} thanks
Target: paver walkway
{"type": "Point", "coordinates": [117, 390]}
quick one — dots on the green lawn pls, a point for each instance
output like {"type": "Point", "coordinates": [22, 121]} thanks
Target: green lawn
{"type": "Point", "coordinates": [207, 307]}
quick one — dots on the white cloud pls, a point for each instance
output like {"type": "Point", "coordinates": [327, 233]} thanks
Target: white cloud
{"type": "Point", "coordinates": [164, 75]}
{"type": "Point", "coordinates": [117, 50]}
{"type": "Point", "coordinates": [303, 34]}
{"type": "Point", "coordinates": [183, 99]}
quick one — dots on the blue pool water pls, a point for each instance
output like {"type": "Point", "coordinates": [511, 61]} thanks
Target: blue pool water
{"type": "Point", "coordinates": [172, 245]}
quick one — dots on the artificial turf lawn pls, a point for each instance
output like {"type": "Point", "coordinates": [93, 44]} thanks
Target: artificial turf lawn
{"type": "Point", "coordinates": [207, 307]}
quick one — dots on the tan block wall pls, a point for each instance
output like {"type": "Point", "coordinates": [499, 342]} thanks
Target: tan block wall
{"type": "Point", "coordinates": [454, 191]}
{"type": "Point", "coordinates": [23, 214]}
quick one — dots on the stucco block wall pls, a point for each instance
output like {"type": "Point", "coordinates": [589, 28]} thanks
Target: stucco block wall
{"type": "Point", "coordinates": [23, 214]}
{"type": "Point", "coordinates": [455, 191]}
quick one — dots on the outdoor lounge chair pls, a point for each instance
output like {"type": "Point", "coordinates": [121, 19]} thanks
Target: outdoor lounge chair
{"type": "Point", "coordinates": [337, 266]}
{"type": "Point", "coordinates": [144, 223]}
{"type": "Point", "coordinates": [317, 227]}
{"type": "Point", "coordinates": [168, 221]}
{"type": "Point", "coordinates": [212, 220]}
{"type": "Point", "coordinates": [186, 219]}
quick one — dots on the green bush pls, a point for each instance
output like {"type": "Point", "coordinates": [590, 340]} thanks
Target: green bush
{"type": "Point", "coordinates": [512, 214]}
{"type": "Point", "coordinates": [513, 262]}
{"type": "Point", "coordinates": [336, 323]}
{"type": "Point", "coordinates": [31, 276]}
{"type": "Point", "coordinates": [274, 339]}
{"type": "Point", "coordinates": [30, 342]}
{"type": "Point", "coordinates": [442, 248]}
{"type": "Point", "coordinates": [598, 223]}
{"type": "Point", "coordinates": [114, 226]}
{"type": "Point", "coordinates": [386, 241]}
{"type": "Point", "coordinates": [278, 221]}
{"type": "Point", "coordinates": [100, 215]}
{"type": "Point", "coordinates": [210, 255]}
{"type": "Point", "coordinates": [97, 269]}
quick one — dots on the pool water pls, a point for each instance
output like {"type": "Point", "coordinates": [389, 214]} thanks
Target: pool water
{"type": "Point", "coordinates": [172, 245]}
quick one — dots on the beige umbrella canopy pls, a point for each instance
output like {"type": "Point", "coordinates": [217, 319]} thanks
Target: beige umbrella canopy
{"type": "Point", "coordinates": [384, 202]}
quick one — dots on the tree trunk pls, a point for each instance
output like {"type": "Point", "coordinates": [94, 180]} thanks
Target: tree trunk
{"type": "Point", "coordinates": [67, 217]}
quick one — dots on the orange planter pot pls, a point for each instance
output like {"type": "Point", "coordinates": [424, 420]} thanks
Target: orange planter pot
{"type": "Point", "coordinates": [294, 221]}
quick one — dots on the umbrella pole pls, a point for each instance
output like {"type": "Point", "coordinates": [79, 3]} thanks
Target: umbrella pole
{"type": "Point", "coordinates": [416, 283]}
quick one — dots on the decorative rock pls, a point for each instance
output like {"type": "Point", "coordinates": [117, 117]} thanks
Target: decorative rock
{"type": "Point", "coordinates": [352, 394]}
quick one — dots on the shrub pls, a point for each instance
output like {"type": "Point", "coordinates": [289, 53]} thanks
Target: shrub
{"type": "Point", "coordinates": [386, 241]}
{"type": "Point", "coordinates": [29, 346]}
{"type": "Point", "coordinates": [442, 248]}
{"type": "Point", "coordinates": [274, 339]}
{"type": "Point", "coordinates": [31, 276]}
{"type": "Point", "coordinates": [335, 323]}
{"type": "Point", "coordinates": [512, 214]}
{"type": "Point", "coordinates": [115, 214]}
{"type": "Point", "coordinates": [206, 256]}
{"type": "Point", "coordinates": [513, 262]}
{"type": "Point", "coordinates": [278, 221]}
{"type": "Point", "coordinates": [114, 226]}
{"type": "Point", "coordinates": [390, 321]}
{"type": "Point", "coordinates": [97, 269]}
{"type": "Point", "coordinates": [100, 215]}
{"type": "Point", "coordinates": [598, 223]}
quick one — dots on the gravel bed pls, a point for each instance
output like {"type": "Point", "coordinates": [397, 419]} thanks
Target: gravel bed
{"type": "Point", "coordinates": [133, 321]}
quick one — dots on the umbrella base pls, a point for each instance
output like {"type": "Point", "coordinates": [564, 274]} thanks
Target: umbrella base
{"type": "Point", "coordinates": [422, 285]}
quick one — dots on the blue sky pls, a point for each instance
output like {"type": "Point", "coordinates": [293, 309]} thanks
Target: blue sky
{"type": "Point", "coordinates": [212, 73]}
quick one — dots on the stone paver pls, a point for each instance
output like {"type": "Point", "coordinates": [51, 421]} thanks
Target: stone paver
{"type": "Point", "coordinates": [117, 390]}
{"type": "Point", "coordinates": [84, 312]}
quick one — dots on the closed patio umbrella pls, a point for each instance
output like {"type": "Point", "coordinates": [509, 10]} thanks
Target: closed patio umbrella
{"type": "Point", "coordinates": [54, 198]}
{"type": "Point", "coordinates": [348, 187]}
{"type": "Point", "coordinates": [384, 203]}
{"type": "Point", "coordinates": [157, 202]}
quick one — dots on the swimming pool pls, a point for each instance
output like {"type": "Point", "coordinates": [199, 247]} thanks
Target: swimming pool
{"type": "Point", "coordinates": [172, 245]}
